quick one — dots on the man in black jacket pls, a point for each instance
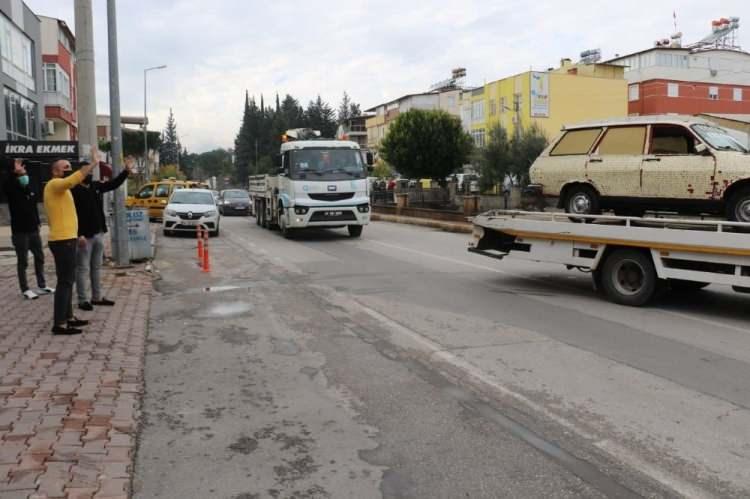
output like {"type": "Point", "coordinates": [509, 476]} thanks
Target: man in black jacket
{"type": "Point", "coordinates": [92, 227]}
{"type": "Point", "coordinates": [24, 223]}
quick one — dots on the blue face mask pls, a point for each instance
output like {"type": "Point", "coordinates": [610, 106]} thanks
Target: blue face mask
{"type": "Point", "coordinates": [23, 180]}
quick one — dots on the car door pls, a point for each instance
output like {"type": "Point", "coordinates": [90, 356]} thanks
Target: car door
{"type": "Point", "coordinates": [159, 200]}
{"type": "Point", "coordinates": [144, 195]}
{"type": "Point", "coordinates": [614, 167]}
{"type": "Point", "coordinates": [565, 162]}
{"type": "Point", "coordinates": [673, 169]}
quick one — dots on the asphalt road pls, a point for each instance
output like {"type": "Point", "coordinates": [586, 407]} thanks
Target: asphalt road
{"type": "Point", "coordinates": [399, 365]}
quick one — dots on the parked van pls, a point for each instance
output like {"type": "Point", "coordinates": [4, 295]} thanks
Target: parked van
{"type": "Point", "coordinates": [154, 195]}
{"type": "Point", "coordinates": [670, 162]}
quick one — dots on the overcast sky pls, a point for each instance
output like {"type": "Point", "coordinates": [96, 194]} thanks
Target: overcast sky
{"type": "Point", "coordinates": [374, 50]}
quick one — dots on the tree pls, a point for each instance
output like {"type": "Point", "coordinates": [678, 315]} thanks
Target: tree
{"type": "Point", "coordinates": [170, 171]}
{"type": "Point", "coordinates": [132, 142]}
{"type": "Point", "coordinates": [382, 169]}
{"type": "Point", "coordinates": [426, 144]}
{"type": "Point", "coordinates": [495, 160]}
{"type": "Point", "coordinates": [169, 152]}
{"type": "Point", "coordinates": [525, 148]}
{"type": "Point", "coordinates": [320, 116]}
{"type": "Point", "coordinates": [347, 110]}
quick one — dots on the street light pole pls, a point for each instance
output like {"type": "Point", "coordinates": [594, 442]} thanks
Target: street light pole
{"type": "Point", "coordinates": [145, 116]}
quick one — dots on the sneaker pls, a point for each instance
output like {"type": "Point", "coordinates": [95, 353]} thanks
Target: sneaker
{"type": "Point", "coordinates": [46, 290]}
{"type": "Point", "coordinates": [60, 330]}
{"type": "Point", "coordinates": [103, 302]}
{"type": "Point", "coordinates": [30, 295]}
{"type": "Point", "coordinates": [86, 306]}
{"type": "Point", "coordinates": [76, 322]}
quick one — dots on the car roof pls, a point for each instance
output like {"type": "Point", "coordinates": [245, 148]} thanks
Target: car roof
{"type": "Point", "coordinates": [662, 119]}
{"type": "Point", "coordinates": [194, 190]}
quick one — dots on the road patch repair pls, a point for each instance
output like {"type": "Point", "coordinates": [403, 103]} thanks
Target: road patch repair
{"type": "Point", "coordinates": [69, 405]}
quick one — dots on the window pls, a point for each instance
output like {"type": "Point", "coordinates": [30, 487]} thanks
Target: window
{"type": "Point", "coordinates": [493, 107]}
{"type": "Point", "coordinates": [576, 142]}
{"type": "Point", "coordinates": [17, 52]}
{"type": "Point", "coordinates": [673, 90]}
{"type": "Point", "coordinates": [451, 101]}
{"type": "Point", "coordinates": [477, 111]}
{"type": "Point", "coordinates": [162, 191]}
{"type": "Point", "coordinates": [633, 92]}
{"type": "Point", "coordinates": [713, 93]}
{"type": "Point", "coordinates": [20, 116]}
{"type": "Point", "coordinates": [478, 136]}
{"type": "Point", "coordinates": [146, 192]}
{"type": "Point", "coordinates": [671, 140]}
{"type": "Point", "coordinates": [624, 140]}
{"type": "Point", "coordinates": [503, 105]}
{"type": "Point", "coordinates": [718, 138]}
{"type": "Point", "coordinates": [737, 94]}
{"type": "Point", "coordinates": [50, 78]}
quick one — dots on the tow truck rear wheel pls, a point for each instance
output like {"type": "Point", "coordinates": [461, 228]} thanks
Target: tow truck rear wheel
{"type": "Point", "coordinates": [354, 230]}
{"type": "Point", "coordinates": [629, 278]}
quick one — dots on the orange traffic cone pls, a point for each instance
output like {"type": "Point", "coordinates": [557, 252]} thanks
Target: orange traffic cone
{"type": "Point", "coordinates": [200, 245]}
{"type": "Point", "coordinates": [206, 261]}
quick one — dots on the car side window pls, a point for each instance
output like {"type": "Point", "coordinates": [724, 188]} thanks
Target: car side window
{"type": "Point", "coordinates": [623, 140]}
{"type": "Point", "coordinates": [671, 140]}
{"type": "Point", "coordinates": [162, 191]}
{"type": "Point", "coordinates": [146, 192]}
{"type": "Point", "coordinates": [576, 142]}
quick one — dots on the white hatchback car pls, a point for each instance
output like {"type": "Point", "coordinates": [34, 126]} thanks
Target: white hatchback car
{"type": "Point", "coordinates": [190, 208]}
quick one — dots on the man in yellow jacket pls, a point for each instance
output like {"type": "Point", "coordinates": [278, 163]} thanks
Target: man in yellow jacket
{"type": "Point", "coordinates": [63, 237]}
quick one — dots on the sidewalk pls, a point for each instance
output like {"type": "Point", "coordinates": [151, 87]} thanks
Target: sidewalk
{"type": "Point", "coordinates": [465, 228]}
{"type": "Point", "coordinates": [69, 406]}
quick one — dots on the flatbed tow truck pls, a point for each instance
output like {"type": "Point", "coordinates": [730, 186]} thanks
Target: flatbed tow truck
{"type": "Point", "coordinates": [631, 259]}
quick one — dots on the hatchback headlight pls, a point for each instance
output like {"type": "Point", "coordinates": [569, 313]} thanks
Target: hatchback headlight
{"type": "Point", "coordinates": [171, 213]}
{"type": "Point", "coordinates": [210, 213]}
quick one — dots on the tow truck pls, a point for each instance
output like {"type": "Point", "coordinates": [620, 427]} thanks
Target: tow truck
{"type": "Point", "coordinates": [319, 183]}
{"type": "Point", "coordinates": [631, 259]}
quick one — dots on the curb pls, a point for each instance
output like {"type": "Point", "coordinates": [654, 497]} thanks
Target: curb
{"type": "Point", "coordinates": [464, 228]}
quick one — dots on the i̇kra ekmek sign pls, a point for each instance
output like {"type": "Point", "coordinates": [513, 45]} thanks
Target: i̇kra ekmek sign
{"type": "Point", "coordinates": [31, 149]}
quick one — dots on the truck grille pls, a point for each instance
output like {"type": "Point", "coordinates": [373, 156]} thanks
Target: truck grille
{"type": "Point", "coordinates": [333, 216]}
{"type": "Point", "coordinates": [331, 196]}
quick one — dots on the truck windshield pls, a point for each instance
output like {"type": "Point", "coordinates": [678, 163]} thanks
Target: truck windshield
{"type": "Point", "coordinates": [326, 164]}
{"type": "Point", "coordinates": [718, 138]}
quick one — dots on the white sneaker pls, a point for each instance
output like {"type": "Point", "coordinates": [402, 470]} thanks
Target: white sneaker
{"type": "Point", "coordinates": [30, 295]}
{"type": "Point", "coordinates": [46, 291]}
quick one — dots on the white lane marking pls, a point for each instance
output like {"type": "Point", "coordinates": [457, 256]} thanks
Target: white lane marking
{"type": "Point", "coordinates": [709, 322]}
{"type": "Point", "coordinates": [438, 257]}
{"type": "Point", "coordinates": [475, 376]}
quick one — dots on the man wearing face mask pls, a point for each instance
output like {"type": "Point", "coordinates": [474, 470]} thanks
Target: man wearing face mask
{"type": "Point", "coordinates": [92, 226]}
{"type": "Point", "coordinates": [63, 237]}
{"type": "Point", "coordinates": [24, 223]}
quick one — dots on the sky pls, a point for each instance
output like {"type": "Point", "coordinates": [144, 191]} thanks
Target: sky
{"type": "Point", "coordinates": [375, 51]}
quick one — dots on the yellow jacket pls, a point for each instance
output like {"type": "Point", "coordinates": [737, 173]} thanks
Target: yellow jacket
{"type": "Point", "coordinates": [60, 208]}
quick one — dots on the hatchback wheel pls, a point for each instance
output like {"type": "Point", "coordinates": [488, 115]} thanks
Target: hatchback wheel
{"type": "Point", "coordinates": [738, 208]}
{"type": "Point", "coordinates": [581, 200]}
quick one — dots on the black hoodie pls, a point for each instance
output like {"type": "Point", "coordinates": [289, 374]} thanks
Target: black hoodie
{"type": "Point", "coordinates": [90, 205]}
{"type": "Point", "coordinates": [22, 204]}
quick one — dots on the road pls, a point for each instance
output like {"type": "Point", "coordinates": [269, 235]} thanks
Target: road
{"type": "Point", "coordinates": [399, 365]}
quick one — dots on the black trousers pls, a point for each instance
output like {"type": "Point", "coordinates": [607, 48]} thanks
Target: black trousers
{"type": "Point", "coordinates": [23, 242]}
{"type": "Point", "coordinates": [65, 268]}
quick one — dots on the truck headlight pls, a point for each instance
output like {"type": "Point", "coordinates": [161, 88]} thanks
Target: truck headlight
{"type": "Point", "coordinates": [301, 210]}
{"type": "Point", "coordinates": [363, 208]}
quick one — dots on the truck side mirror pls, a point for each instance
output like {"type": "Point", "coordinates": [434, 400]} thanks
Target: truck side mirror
{"type": "Point", "coordinates": [369, 159]}
{"type": "Point", "coordinates": [277, 160]}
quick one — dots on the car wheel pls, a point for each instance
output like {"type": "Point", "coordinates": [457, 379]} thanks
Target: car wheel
{"type": "Point", "coordinates": [215, 233]}
{"type": "Point", "coordinates": [738, 208]}
{"type": "Point", "coordinates": [167, 233]}
{"type": "Point", "coordinates": [581, 200]}
{"type": "Point", "coordinates": [628, 277]}
{"type": "Point", "coordinates": [354, 230]}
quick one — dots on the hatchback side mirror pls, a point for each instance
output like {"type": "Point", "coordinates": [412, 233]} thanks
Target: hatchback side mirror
{"type": "Point", "coordinates": [701, 149]}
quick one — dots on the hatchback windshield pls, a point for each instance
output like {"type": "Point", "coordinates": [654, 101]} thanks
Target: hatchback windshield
{"type": "Point", "coordinates": [326, 164]}
{"type": "Point", "coordinates": [718, 138]}
{"type": "Point", "coordinates": [192, 197]}
{"type": "Point", "coordinates": [235, 195]}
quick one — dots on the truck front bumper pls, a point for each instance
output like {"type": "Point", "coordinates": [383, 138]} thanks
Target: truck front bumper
{"type": "Point", "coordinates": [327, 216]}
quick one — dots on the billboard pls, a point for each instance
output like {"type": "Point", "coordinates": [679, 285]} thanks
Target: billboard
{"type": "Point", "coordinates": [539, 95]}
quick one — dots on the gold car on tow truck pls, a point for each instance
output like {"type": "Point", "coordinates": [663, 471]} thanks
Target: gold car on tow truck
{"type": "Point", "coordinates": [630, 165]}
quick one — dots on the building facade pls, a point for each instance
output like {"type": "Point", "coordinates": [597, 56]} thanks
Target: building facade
{"type": "Point", "coordinates": [354, 129]}
{"type": "Point", "coordinates": [549, 100]}
{"type": "Point", "coordinates": [58, 81]}
{"type": "Point", "coordinates": [383, 115]}
{"type": "Point", "coordinates": [20, 75]}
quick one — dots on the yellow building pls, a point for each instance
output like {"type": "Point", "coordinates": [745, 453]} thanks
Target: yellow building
{"type": "Point", "coordinates": [570, 94]}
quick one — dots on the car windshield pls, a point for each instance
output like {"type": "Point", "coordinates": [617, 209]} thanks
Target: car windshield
{"type": "Point", "coordinates": [192, 197]}
{"type": "Point", "coordinates": [718, 138]}
{"type": "Point", "coordinates": [326, 164]}
{"type": "Point", "coordinates": [235, 195]}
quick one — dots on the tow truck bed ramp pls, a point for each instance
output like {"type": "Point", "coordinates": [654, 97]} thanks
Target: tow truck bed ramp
{"type": "Point", "coordinates": [683, 253]}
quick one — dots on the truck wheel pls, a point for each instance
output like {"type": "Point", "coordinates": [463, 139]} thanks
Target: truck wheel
{"type": "Point", "coordinates": [257, 212]}
{"type": "Point", "coordinates": [581, 200]}
{"type": "Point", "coordinates": [738, 207]}
{"type": "Point", "coordinates": [283, 228]}
{"type": "Point", "coordinates": [629, 277]}
{"type": "Point", "coordinates": [264, 216]}
{"type": "Point", "coordinates": [681, 286]}
{"type": "Point", "coordinates": [354, 230]}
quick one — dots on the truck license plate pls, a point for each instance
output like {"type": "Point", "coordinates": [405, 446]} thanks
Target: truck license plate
{"type": "Point", "coordinates": [334, 213]}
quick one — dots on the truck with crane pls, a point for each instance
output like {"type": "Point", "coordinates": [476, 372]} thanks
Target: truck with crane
{"type": "Point", "coordinates": [319, 183]}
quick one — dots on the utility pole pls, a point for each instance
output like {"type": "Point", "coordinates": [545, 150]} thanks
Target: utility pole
{"type": "Point", "coordinates": [120, 238]}
{"type": "Point", "coordinates": [85, 85]}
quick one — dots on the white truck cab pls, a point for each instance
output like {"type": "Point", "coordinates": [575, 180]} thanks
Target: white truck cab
{"type": "Point", "coordinates": [320, 183]}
